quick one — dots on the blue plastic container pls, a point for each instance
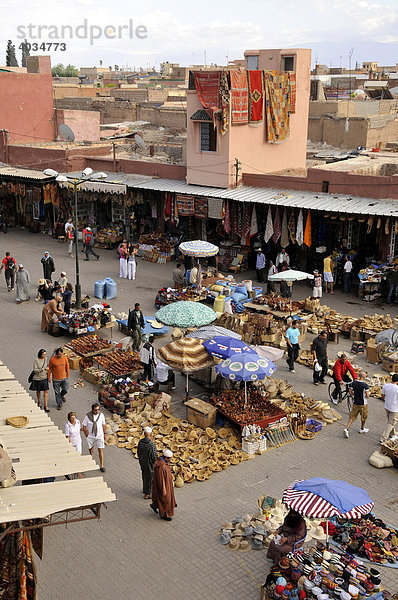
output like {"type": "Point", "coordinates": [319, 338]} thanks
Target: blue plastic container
{"type": "Point", "coordinates": [110, 288]}
{"type": "Point", "coordinates": [99, 289]}
{"type": "Point", "coordinates": [241, 289]}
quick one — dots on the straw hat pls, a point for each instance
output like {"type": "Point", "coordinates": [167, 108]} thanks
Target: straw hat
{"type": "Point", "coordinates": [224, 538]}
{"type": "Point", "coordinates": [318, 533]}
{"type": "Point", "coordinates": [179, 482]}
{"type": "Point", "coordinates": [227, 525]}
{"type": "Point", "coordinates": [211, 433]}
{"type": "Point", "coordinates": [245, 546]}
{"type": "Point", "coordinates": [278, 514]}
{"type": "Point", "coordinates": [257, 544]}
{"type": "Point", "coordinates": [223, 433]}
{"type": "Point", "coordinates": [110, 439]}
{"type": "Point", "coordinates": [41, 281]}
{"type": "Point", "coordinates": [234, 544]}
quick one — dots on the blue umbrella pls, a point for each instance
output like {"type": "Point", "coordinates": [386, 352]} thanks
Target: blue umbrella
{"type": "Point", "coordinates": [247, 367]}
{"type": "Point", "coordinates": [223, 346]}
{"type": "Point", "coordinates": [198, 248]}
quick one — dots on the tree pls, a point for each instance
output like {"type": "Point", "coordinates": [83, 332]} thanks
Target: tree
{"type": "Point", "coordinates": [11, 59]}
{"type": "Point", "coordinates": [25, 52]}
{"type": "Point", "coordinates": [60, 71]}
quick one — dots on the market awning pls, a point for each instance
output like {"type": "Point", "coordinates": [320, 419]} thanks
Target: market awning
{"type": "Point", "coordinates": [8, 171]}
{"type": "Point", "coordinates": [40, 450]}
{"type": "Point", "coordinates": [97, 186]}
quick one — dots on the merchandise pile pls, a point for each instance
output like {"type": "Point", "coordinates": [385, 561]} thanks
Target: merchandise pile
{"type": "Point", "coordinates": [108, 237]}
{"type": "Point", "coordinates": [170, 295]}
{"type": "Point", "coordinates": [156, 247]}
{"type": "Point", "coordinates": [88, 320]}
{"type": "Point", "coordinates": [257, 409]}
{"type": "Point", "coordinates": [278, 303]}
{"type": "Point", "coordinates": [89, 345]}
{"type": "Point", "coordinates": [368, 538]}
{"type": "Point", "coordinates": [120, 362]}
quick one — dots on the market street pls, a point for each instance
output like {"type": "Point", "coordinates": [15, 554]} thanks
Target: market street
{"type": "Point", "coordinates": [130, 553]}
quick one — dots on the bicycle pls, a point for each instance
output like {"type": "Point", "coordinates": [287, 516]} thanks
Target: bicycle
{"type": "Point", "coordinates": [339, 395]}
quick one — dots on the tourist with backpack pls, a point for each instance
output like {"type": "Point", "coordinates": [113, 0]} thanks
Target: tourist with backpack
{"type": "Point", "coordinates": [9, 264]}
{"type": "Point", "coordinates": [90, 239]}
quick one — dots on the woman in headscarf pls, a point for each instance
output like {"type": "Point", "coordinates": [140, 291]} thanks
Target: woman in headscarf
{"type": "Point", "coordinates": [292, 530]}
{"type": "Point", "coordinates": [22, 284]}
{"type": "Point", "coordinates": [49, 310]}
{"type": "Point", "coordinates": [48, 266]}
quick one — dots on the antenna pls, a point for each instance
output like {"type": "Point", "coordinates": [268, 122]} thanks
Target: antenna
{"type": "Point", "coordinates": [204, 56]}
{"type": "Point", "coordinates": [66, 133]}
{"type": "Point", "coordinates": [139, 141]}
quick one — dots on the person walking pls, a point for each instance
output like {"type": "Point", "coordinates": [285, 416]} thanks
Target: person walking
{"type": "Point", "coordinates": [347, 275]}
{"type": "Point", "coordinates": [90, 240]}
{"type": "Point", "coordinates": [58, 369]}
{"type": "Point", "coordinates": [48, 266]}
{"type": "Point", "coordinates": [271, 271]}
{"type": "Point", "coordinates": [94, 430]}
{"type": "Point", "coordinates": [39, 382]}
{"type": "Point", "coordinates": [72, 431]}
{"type": "Point", "coordinates": [389, 394]}
{"type": "Point", "coordinates": [148, 359]}
{"type": "Point", "coordinates": [69, 240]}
{"type": "Point", "coordinates": [260, 265]}
{"type": "Point", "coordinates": [22, 284]}
{"type": "Point", "coordinates": [393, 285]}
{"type": "Point", "coordinates": [328, 273]}
{"type": "Point", "coordinates": [178, 276]}
{"type": "Point", "coordinates": [135, 323]}
{"type": "Point", "coordinates": [123, 257]}
{"type": "Point", "coordinates": [360, 391]}
{"type": "Point", "coordinates": [293, 347]}
{"type": "Point", "coordinates": [84, 233]}
{"type": "Point", "coordinates": [53, 307]}
{"type": "Point", "coordinates": [147, 455]}
{"type": "Point", "coordinates": [131, 262]}
{"type": "Point", "coordinates": [67, 297]}
{"type": "Point", "coordinates": [163, 499]}
{"type": "Point", "coordinates": [317, 289]}
{"type": "Point", "coordinates": [69, 223]}
{"type": "Point", "coordinates": [9, 265]}
{"type": "Point", "coordinates": [320, 355]}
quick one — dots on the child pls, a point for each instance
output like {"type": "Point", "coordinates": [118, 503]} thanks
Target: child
{"type": "Point", "coordinates": [317, 289]}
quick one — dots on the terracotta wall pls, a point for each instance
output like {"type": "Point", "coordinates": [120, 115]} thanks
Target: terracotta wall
{"type": "Point", "coordinates": [26, 102]}
{"type": "Point", "coordinates": [85, 124]}
{"type": "Point", "coordinates": [153, 169]}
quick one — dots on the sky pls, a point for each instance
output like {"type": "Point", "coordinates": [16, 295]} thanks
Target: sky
{"type": "Point", "coordinates": [200, 32]}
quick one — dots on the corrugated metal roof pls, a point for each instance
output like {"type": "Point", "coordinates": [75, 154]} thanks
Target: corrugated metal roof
{"type": "Point", "coordinates": [339, 203]}
{"type": "Point", "coordinates": [23, 173]}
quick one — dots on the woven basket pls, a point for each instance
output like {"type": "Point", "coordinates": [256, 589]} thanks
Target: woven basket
{"type": "Point", "coordinates": [17, 421]}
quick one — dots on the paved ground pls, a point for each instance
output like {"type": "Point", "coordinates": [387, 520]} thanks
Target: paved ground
{"type": "Point", "coordinates": [131, 553]}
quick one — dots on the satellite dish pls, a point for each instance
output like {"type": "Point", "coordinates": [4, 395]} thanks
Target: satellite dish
{"type": "Point", "coordinates": [66, 133]}
{"type": "Point", "coordinates": [139, 141]}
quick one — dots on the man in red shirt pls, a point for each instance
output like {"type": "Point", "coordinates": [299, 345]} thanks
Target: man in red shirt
{"type": "Point", "coordinates": [8, 263]}
{"type": "Point", "coordinates": [341, 368]}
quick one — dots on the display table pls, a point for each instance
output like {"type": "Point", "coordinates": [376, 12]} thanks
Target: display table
{"type": "Point", "coordinates": [264, 308]}
{"type": "Point", "coordinates": [148, 329]}
{"type": "Point", "coordinates": [258, 410]}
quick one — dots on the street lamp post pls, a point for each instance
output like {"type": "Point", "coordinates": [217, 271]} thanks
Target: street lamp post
{"type": "Point", "coordinates": [87, 174]}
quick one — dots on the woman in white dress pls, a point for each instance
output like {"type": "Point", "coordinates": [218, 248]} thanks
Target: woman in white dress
{"type": "Point", "coordinates": [72, 431]}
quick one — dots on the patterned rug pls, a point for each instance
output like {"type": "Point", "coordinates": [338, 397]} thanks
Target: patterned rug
{"type": "Point", "coordinates": [277, 106]}
{"type": "Point", "coordinates": [292, 80]}
{"type": "Point", "coordinates": [239, 97]}
{"type": "Point", "coordinates": [256, 96]}
{"type": "Point", "coordinates": [208, 90]}
{"type": "Point", "coordinates": [185, 205]}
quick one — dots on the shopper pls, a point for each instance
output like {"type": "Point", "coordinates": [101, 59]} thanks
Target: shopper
{"type": "Point", "coordinates": [131, 262]}
{"type": "Point", "coordinates": [320, 355]}
{"type": "Point", "coordinates": [328, 273]}
{"type": "Point", "coordinates": [58, 369]}
{"type": "Point", "coordinates": [135, 324]}
{"type": "Point", "coordinates": [163, 499]}
{"type": "Point", "coordinates": [293, 347]}
{"type": "Point", "coordinates": [178, 276]}
{"type": "Point", "coordinates": [288, 537]}
{"type": "Point", "coordinates": [39, 382]}
{"type": "Point", "coordinates": [84, 233]}
{"type": "Point", "coordinates": [317, 289]}
{"type": "Point", "coordinates": [164, 376]}
{"type": "Point", "coordinates": [393, 285]}
{"type": "Point", "coordinates": [360, 392]}
{"type": "Point", "coordinates": [94, 430]}
{"type": "Point", "coordinates": [260, 265]}
{"type": "Point", "coordinates": [271, 271]}
{"type": "Point", "coordinates": [67, 297]}
{"type": "Point", "coordinates": [123, 257]}
{"type": "Point", "coordinates": [53, 307]}
{"type": "Point", "coordinates": [90, 240]}
{"type": "Point", "coordinates": [148, 359]}
{"type": "Point", "coordinates": [69, 223]}
{"type": "Point", "coordinates": [69, 240]}
{"type": "Point", "coordinates": [9, 265]}
{"type": "Point", "coordinates": [281, 258]}
{"type": "Point", "coordinates": [342, 368]}
{"type": "Point", "coordinates": [72, 431]}
{"type": "Point", "coordinates": [147, 455]}
{"type": "Point", "coordinates": [22, 284]}
{"type": "Point", "coordinates": [48, 266]}
{"type": "Point", "coordinates": [63, 280]}
{"type": "Point", "coordinates": [44, 291]}
{"type": "Point", "coordinates": [389, 394]}
{"type": "Point", "coordinates": [347, 275]}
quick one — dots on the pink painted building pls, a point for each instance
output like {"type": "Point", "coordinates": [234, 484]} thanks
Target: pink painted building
{"type": "Point", "coordinates": [85, 124]}
{"type": "Point", "coordinates": [211, 156]}
{"type": "Point", "coordinates": [26, 102]}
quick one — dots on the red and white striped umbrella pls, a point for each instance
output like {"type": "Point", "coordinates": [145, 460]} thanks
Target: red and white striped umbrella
{"type": "Point", "coordinates": [314, 506]}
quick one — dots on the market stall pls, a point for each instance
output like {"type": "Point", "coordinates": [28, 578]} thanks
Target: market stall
{"type": "Point", "coordinates": [83, 321]}
{"type": "Point", "coordinates": [157, 247]}
{"type": "Point", "coordinates": [109, 237]}
{"type": "Point", "coordinates": [152, 327]}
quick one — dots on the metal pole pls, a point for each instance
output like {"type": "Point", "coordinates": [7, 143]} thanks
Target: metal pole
{"type": "Point", "coordinates": [78, 291]}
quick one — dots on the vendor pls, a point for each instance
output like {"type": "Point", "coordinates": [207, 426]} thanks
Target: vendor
{"type": "Point", "coordinates": [193, 277]}
{"type": "Point", "coordinates": [178, 276]}
{"type": "Point", "coordinates": [49, 310]}
{"type": "Point", "coordinates": [290, 536]}
{"type": "Point", "coordinates": [164, 376]}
